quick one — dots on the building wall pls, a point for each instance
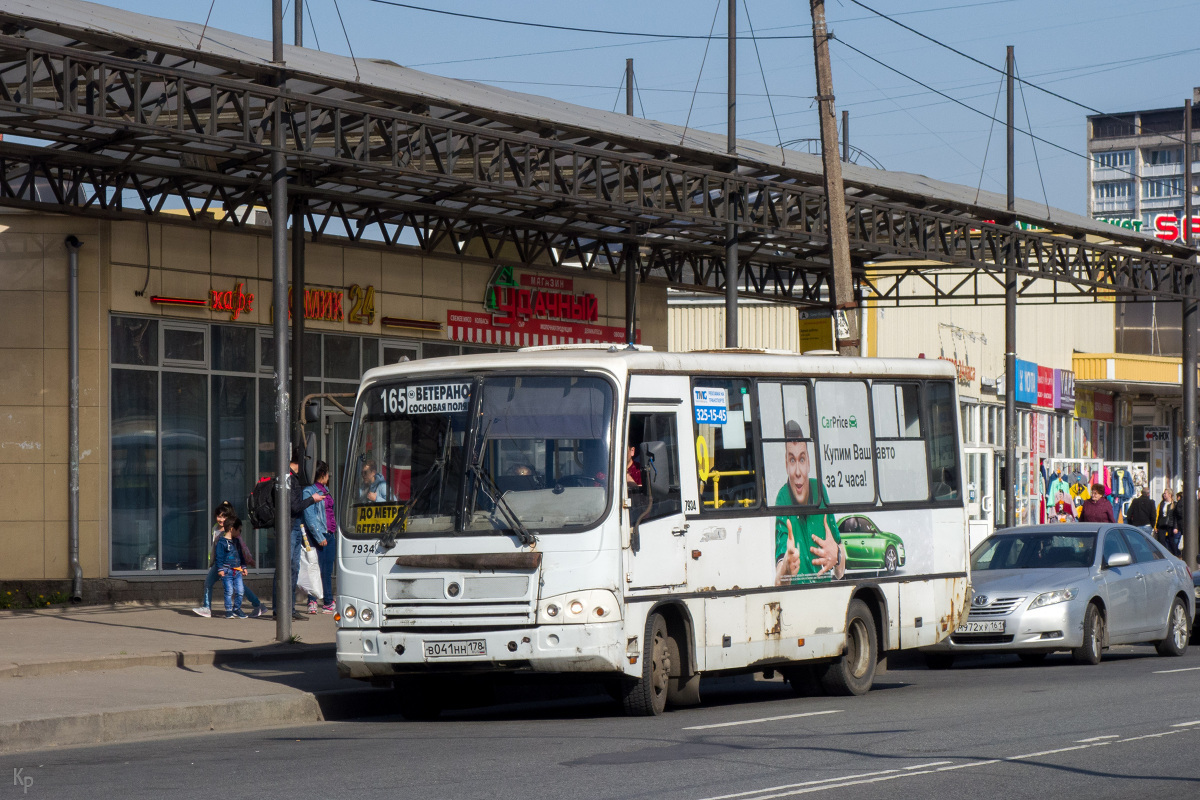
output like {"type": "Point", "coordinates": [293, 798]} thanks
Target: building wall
{"type": "Point", "coordinates": [34, 394]}
{"type": "Point", "coordinates": [123, 265]}
{"type": "Point", "coordinates": [702, 327]}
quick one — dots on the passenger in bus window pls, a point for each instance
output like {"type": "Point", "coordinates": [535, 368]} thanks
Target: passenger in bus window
{"type": "Point", "coordinates": [807, 546]}
{"type": "Point", "coordinates": [373, 488]}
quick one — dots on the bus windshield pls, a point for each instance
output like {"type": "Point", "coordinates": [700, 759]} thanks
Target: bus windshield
{"type": "Point", "coordinates": [432, 458]}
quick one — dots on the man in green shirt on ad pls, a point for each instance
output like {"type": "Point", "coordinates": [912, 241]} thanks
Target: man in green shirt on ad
{"type": "Point", "coordinates": [824, 553]}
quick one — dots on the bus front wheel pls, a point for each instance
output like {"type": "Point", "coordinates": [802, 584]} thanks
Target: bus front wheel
{"type": "Point", "coordinates": [647, 696]}
{"type": "Point", "coordinates": [854, 672]}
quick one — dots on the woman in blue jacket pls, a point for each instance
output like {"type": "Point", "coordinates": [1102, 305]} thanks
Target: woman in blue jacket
{"type": "Point", "coordinates": [314, 523]}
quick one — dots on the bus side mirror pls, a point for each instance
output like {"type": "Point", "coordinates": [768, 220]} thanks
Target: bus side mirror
{"type": "Point", "coordinates": [312, 411]}
{"type": "Point", "coordinates": [655, 473]}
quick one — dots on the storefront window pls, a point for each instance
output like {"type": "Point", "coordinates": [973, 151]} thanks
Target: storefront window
{"type": "Point", "coordinates": [192, 420]}
{"type": "Point", "coordinates": [134, 477]}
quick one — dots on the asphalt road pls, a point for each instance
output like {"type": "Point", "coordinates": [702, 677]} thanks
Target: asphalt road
{"type": "Point", "coordinates": [990, 728]}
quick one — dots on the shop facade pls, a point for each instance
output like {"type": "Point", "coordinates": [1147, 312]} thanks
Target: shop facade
{"type": "Point", "coordinates": [176, 389]}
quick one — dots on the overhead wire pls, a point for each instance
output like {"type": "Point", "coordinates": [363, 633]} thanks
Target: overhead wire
{"type": "Point", "coordinates": [637, 90]}
{"type": "Point", "coordinates": [569, 28]}
{"type": "Point", "coordinates": [349, 47]}
{"type": "Point", "coordinates": [700, 74]}
{"type": "Point", "coordinates": [312, 24]}
{"type": "Point", "coordinates": [986, 65]}
{"type": "Point", "coordinates": [987, 148]}
{"type": "Point", "coordinates": [1029, 122]}
{"type": "Point", "coordinates": [967, 106]}
{"type": "Point", "coordinates": [763, 72]}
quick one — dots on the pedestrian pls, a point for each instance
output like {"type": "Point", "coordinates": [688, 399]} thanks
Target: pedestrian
{"type": "Point", "coordinates": [297, 503]}
{"type": "Point", "coordinates": [1141, 511]}
{"type": "Point", "coordinates": [231, 558]}
{"type": "Point", "coordinates": [316, 524]}
{"type": "Point", "coordinates": [322, 517]}
{"type": "Point", "coordinates": [225, 509]}
{"type": "Point", "coordinates": [1166, 523]}
{"type": "Point", "coordinates": [1097, 508]}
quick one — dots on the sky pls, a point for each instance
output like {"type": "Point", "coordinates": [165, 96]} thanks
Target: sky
{"type": "Point", "coordinates": [1109, 55]}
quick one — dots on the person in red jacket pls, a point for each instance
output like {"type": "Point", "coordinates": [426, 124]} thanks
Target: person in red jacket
{"type": "Point", "coordinates": [1097, 509]}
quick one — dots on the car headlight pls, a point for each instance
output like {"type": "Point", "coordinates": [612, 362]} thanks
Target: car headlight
{"type": "Point", "coordinates": [594, 605]}
{"type": "Point", "coordinates": [1056, 596]}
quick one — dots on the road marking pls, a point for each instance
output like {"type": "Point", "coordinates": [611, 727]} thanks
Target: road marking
{"type": "Point", "coordinates": [1097, 739]}
{"type": "Point", "coordinates": [1169, 671]}
{"type": "Point", "coordinates": [760, 719]}
{"type": "Point", "coordinates": [845, 781]}
{"type": "Point", "coordinates": [1148, 736]}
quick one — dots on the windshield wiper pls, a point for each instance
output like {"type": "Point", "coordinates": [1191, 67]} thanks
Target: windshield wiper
{"type": "Point", "coordinates": [497, 497]}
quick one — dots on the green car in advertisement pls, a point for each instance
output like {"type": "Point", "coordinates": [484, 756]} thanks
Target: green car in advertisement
{"type": "Point", "coordinates": [867, 547]}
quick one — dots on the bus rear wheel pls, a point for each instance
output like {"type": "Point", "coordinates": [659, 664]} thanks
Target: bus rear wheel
{"type": "Point", "coordinates": [647, 696]}
{"type": "Point", "coordinates": [854, 672]}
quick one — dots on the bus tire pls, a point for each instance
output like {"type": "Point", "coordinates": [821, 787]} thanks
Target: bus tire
{"type": "Point", "coordinates": [647, 696]}
{"type": "Point", "coordinates": [419, 699]}
{"type": "Point", "coordinates": [854, 672]}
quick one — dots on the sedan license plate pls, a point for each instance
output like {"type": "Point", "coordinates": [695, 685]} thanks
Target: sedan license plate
{"type": "Point", "coordinates": [988, 626]}
{"type": "Point", "coordinates": [458, 649]}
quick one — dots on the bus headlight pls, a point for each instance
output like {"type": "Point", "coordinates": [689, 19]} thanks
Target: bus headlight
{"type": "Point", "coordinates": [593, 605]}
{"type": "Point", "coordinates": [349, 613]}
{"type": "Point", "coordinates": [366, 615]}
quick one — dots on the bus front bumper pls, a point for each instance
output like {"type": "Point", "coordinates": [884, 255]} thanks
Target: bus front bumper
{"type": "Point", "coordinates": [593, 647]}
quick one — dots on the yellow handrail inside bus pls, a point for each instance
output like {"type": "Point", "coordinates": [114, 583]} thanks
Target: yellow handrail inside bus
{"type": "Point", "coordinates": [704, 470]}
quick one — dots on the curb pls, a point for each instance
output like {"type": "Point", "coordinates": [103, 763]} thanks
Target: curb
{"type": "Point", "coordinates": [154, 722]}
{"type": "Point", "coordinates": [170, 658]}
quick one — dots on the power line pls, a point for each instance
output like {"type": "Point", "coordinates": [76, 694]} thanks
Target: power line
{"type": "Point", "coordinates": [967, 106]}
{"type": "Point", "coordinates": [700, 74]}
{"type": "Point", "coordinates": [349, 47]}
{"type": "Point", "coordinates": [572, 28]}
{"type": "Point", "coordinates": [986, 65]}
{"type": "Point", "coordinates": [763, 72]}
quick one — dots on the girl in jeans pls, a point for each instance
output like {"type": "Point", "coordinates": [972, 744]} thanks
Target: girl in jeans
{"type": "Point", "coordinates": [232, 558]}
{"type": "Point", "coordinates": [205, 608]}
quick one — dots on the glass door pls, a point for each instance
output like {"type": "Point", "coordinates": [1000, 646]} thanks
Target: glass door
{"type": "Point", "coordinates": [981, 493]}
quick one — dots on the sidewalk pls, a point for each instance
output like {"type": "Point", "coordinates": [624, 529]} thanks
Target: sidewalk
{"type": "Point", "coordinates": [91, 675]}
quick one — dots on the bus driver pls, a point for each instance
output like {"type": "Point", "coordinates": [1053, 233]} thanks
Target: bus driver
{"type": "Point", "coordinates": [826, 552]}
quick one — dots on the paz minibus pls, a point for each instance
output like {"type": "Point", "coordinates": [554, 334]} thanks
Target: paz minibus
{"type": "Point", "coordinates": [648, 518]}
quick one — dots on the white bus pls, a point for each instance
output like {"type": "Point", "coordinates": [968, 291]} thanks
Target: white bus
{"type": "Point", "coordinates": [648, 518]}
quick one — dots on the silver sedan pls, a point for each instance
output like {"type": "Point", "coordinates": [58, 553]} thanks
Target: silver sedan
{"type": "Point", "coordinates": [1076, 586]}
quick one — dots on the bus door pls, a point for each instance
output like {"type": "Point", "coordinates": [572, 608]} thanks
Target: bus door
{"type": "Point", "coordinates": [656, 553]}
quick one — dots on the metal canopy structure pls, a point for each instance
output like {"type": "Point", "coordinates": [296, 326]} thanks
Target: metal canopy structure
{"type": "Point", "coordinates": [128, 113]}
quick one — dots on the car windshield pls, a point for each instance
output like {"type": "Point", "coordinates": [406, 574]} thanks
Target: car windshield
{"type": "Point", "coordinates": [539, 459]}
{"type": "Point", "coordinates": [1036, 550]}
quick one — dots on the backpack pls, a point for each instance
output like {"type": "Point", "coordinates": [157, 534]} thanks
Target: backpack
{"type": "Point", "coordinates": [260, 505]}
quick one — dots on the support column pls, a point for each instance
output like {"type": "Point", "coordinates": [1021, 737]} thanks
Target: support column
{"type": "Point", "coordinates": [297, 360]}
{"type": "Point", "coordinates": [1191, 318]}
{"type": "Point", "coordinates": [1011, 480]}
{"type": "Point", "coordinates": [731, 228]}
{"type": "Point", "coordinates": [279, 276]}
{"type": "Point", "coordinates": [629, 250]}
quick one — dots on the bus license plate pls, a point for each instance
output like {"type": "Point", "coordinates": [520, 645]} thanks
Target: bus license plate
{"type": "Point", "coordinates": [989, 626]}
{"type": "Point", "coordinates": [469, 647]}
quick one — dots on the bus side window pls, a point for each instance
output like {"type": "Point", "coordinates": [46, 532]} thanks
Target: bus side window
{"type": "Point", "coordinates": [943, 440]}
{"type": "Point", "coordinates": [899, 442]}
{"type": "Point", "coordinates": [725, 463]}
{"type": "Point", "coordinates": [641, 470]}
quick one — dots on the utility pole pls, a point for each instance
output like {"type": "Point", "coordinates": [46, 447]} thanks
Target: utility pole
{"type": "Point", "coordinates": [844, 306]}
{"type": "Point", "coordinates": [731, 196]}
{"type": "Point", "coordinates": [1191, 318]}
{"type": "Point", "coordinates": [631, 276]}
{"type": "Point", "coordinates": [1011, 479]}
{"type": "Point", "coordinates": [279, 275]}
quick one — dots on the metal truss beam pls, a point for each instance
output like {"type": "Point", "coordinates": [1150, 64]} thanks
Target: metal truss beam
{"type": "Point", "coordinates": [123, 133]}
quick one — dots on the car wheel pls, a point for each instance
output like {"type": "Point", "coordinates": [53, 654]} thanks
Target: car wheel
{"type": "Point", "coordinates": [1093, 637]}
{"type": "Point", "coordinates": [939, 660]}
{"type": "Point", "coordinates": [1177, 631]}
{"type": "Point", "coordinates": [647, 696]}
{"type": "Point", "coordinates": [1032, 658]}
{"type": "Point", "coordinates": [854, 672]}
{"type": "Point", "coordinates": [891, 559]}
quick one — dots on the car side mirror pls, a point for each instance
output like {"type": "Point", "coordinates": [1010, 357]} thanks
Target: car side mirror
{"type": "Point", "coordinates": [1118, 560]}
{"type": "Point", "coordinates": [655, 471]}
